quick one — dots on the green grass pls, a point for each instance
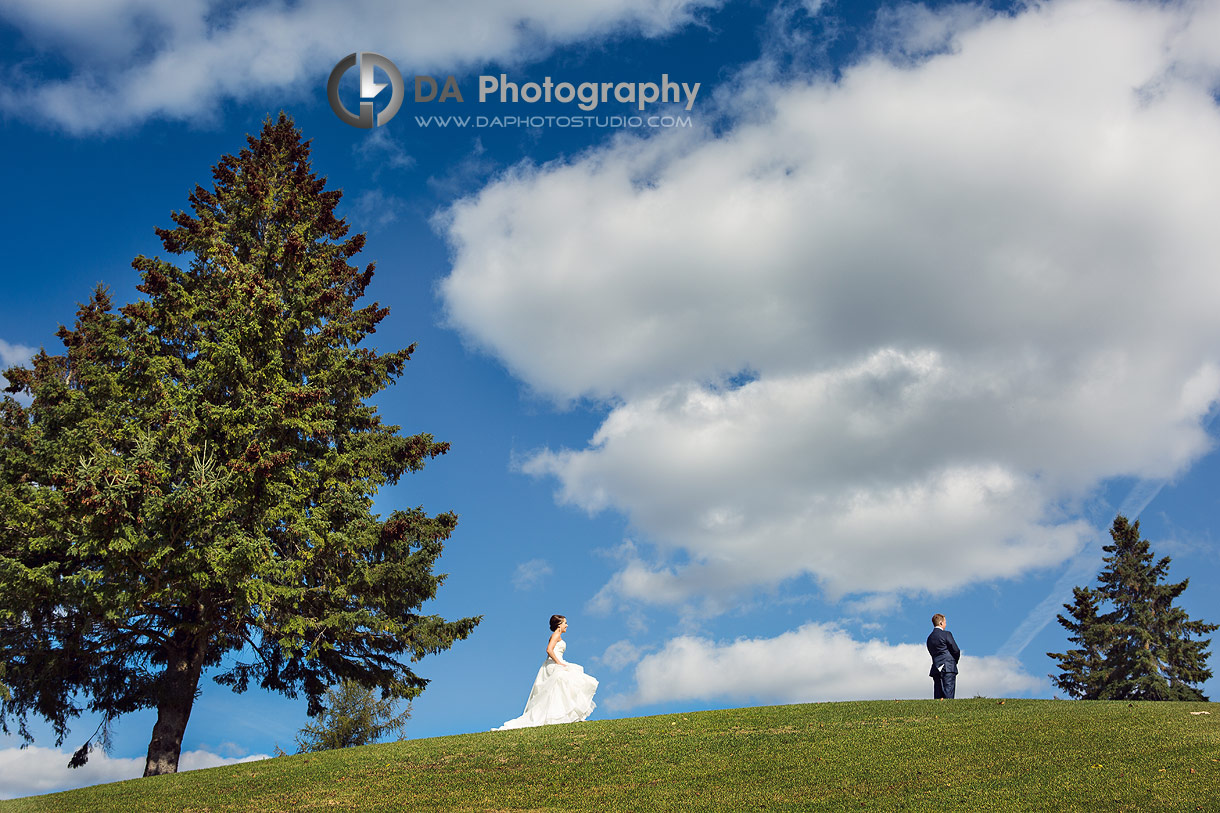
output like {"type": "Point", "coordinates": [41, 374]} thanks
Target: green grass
{"type": "Point", "coordinates": [964, 755]}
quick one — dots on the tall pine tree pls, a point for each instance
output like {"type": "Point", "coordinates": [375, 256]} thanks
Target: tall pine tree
{"type": "Point", "coordinates": [193, 480]}
{"type": "Point", "coordinates": [1144, 648]}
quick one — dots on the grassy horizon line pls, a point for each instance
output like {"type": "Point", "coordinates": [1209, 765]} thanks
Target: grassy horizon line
{"type": "Point", "coordinates": [916, 755]}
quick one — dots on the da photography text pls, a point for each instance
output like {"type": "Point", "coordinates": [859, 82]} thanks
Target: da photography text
{"type": "Point", "coordinates": [586, 96]}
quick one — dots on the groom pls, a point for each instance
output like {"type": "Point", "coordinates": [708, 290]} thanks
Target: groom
{"type": "Point", "coordinates": [945, 655]}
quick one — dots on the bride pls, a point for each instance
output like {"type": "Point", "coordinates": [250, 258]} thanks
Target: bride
{"type": "Point", "coordinates": [562, 692]}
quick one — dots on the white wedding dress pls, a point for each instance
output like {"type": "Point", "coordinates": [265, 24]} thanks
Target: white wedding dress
{"type": "Point", "coordinates": [561, 694]}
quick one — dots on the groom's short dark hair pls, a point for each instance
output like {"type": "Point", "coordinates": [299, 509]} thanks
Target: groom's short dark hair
{"type": "Point", "coordinates": [937, 620]}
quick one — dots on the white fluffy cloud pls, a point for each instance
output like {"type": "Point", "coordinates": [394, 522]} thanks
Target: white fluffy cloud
{"type": "Point", "coordinates": [14, 354]}
{"type": "Point", "coordinates": [36, 770]}
{"type": "Point", "coordinates": [916, 312]}
{"type": "Point", "coordinates": [134, 59]}
{"type": "Point", "coordinates": [619, 654]}
{"type": "Point", "coordinates": [815, 663]}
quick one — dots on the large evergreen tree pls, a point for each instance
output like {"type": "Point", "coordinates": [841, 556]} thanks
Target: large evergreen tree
{"type": "Point", "coordinates": [1144, 648]}
{"type": "Point", "coordinates": [191, 484]}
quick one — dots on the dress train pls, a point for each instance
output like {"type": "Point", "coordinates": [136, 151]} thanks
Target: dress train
{"type": "Point", "coordinates": [561, 694]}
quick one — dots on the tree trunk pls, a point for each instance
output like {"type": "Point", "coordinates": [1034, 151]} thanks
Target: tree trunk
{"type": "Point", "coordinates": [174, 707]}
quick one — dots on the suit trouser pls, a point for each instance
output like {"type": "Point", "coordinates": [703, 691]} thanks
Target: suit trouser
{"type": "Point", "coordinates": [944, 684]}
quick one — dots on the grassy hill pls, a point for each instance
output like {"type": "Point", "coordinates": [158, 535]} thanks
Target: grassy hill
{"type": "Point", "coordinates": [964, 755]}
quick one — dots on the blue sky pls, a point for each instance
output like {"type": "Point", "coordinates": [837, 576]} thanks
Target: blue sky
{"type": "Point", "coordinates": [917, 301]}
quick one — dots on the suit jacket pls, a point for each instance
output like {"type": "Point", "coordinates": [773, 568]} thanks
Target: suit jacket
{"type": "Point", "coordinates": [943, 650]}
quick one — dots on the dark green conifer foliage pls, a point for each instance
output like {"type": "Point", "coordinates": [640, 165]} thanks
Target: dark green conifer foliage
{"type": "Point", "coordinates": [1144, 648]}
{"type": "Point", "coordinates": [192, 483]}
{"type": "Point", "coordinates": [1084, 669]}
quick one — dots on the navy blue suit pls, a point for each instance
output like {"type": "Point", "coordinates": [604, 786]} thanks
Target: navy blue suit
{"type": "Point", "coordinates": [945, 656]}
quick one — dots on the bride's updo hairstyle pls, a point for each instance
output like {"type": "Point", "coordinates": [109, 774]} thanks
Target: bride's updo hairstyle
{"type": "Point", "coordinates": [556, 620]}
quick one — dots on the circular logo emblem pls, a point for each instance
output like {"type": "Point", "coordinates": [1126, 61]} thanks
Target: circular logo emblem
{"type": "Point", "coordinates": [367, 60]}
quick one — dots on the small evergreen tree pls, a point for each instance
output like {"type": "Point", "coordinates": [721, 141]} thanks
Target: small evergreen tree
{"type": "Point", "coordinates": [1144, 648]}
{"type": "Point", "coordinates": [354, 715]}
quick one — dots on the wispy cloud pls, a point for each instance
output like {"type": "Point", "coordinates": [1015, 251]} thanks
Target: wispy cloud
{"type": "Point", "coordinates": [460, 177]}
{"type": "Point", "coordinates": [382, 151]}
{"type": "Point", "coordinates": [621, 654]}
{"type": "Point", "coordinates": [529, 575]}
{"type": "Point", "coordinates": [376, 209]}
